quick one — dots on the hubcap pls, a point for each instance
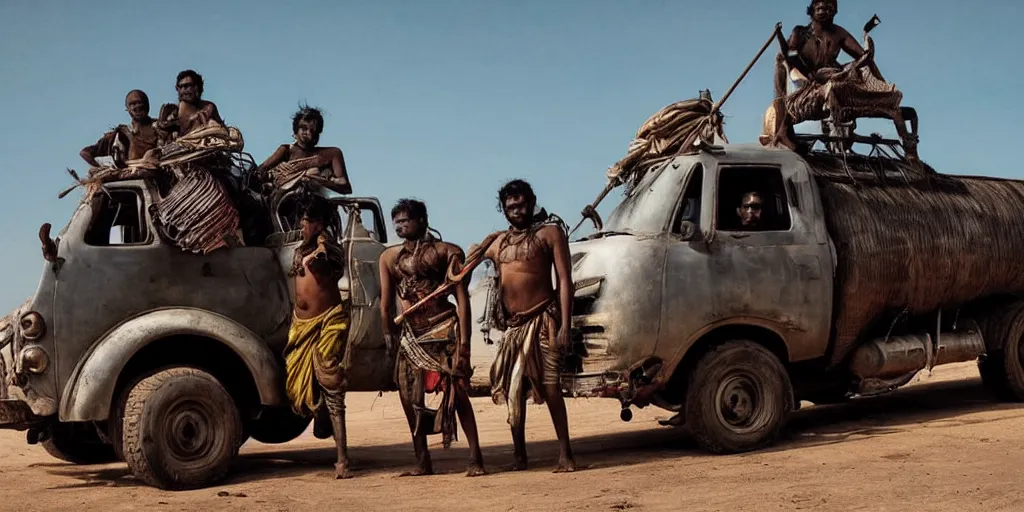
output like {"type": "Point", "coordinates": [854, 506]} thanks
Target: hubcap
{"type": "Point", "coordinates": [739, 403]}
{"type": "Point", "coordinates": [189, 432]}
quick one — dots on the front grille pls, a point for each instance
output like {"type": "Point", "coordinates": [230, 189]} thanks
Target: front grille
{"type": "Point", "coordinates": [583, 305]}
{"type": "Point", "coordinates": [586, 282]}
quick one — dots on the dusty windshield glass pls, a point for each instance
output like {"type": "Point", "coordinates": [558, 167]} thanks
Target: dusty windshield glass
{"type": "Point", "coordinates": [647, 208]}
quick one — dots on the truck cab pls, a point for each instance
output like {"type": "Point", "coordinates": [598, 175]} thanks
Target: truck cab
{"type": "Point", "coordinates": [677, 305]}
{"type": "Point", "coordinates": [121, 310]}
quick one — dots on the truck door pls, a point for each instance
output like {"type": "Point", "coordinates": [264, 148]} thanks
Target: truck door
{"type": "Point", "coordinates": [363, 235]}
{"type": "Point", "coordinates": [775, 273]}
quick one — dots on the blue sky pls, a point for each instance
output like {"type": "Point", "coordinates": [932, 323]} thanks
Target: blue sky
{"type": "Point", "coordinates": [446, 100]}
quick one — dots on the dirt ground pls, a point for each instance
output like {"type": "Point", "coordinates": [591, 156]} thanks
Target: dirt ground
{"type": "Point", "coordinates": [940, 444]}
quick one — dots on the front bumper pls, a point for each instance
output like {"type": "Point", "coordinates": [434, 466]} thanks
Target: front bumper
{"type": "Point", "coordinates": [17, 415]}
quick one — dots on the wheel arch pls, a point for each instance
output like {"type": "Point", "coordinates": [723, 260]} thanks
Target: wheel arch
{"type": "Point", "coordinates": [169, 337]}
{"type": "Point", "coordinates": [703, 341]}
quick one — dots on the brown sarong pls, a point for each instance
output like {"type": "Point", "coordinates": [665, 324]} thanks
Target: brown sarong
{"type": "Point", "coordinates": [526, 355]}
{"type": "Point", "coordinates": [431, 352]}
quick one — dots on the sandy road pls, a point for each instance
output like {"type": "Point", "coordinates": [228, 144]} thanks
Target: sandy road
{"type": "Point", "coordinates": [941, 444]}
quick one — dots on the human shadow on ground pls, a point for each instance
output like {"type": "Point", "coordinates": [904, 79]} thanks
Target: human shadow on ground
{"type": "Point", "coordinates": [941, 404]}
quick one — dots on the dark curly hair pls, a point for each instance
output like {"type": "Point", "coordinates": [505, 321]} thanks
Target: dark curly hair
{"type": "Point", "coordinates": [516, 187]}
{"type": "Point", "coordinates": [308, 113]}
{"type": "Point", "coordinates": [317, 209]}
{"type": "Point", "coordinates": [195, 76]}
{"type": "Point", "coordinates": [810, 8]}
{"type": "Point", "coordinates": [414, 208]}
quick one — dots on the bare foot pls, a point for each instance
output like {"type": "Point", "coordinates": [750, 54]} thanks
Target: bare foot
{"type": "Point", "coordinates": [475, 470]}
{"type": "Point", "coordinates": [341, 471]}
{"type": "Point", "coordinates": [565, 465]}
{"type": "Point", "coordinates": [419, 471]}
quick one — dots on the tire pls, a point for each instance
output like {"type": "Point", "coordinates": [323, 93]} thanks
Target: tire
{"type": "Point", "coordinates": [181, 429]}
{"type": "Point", "coordinates": [1002, 370]}
{"type": "Point", "coordinates": [278, 425]}
{"type": "Point", "coordinates": [735, 373]}
{"type": "Point", "coordinates": [78, 444]}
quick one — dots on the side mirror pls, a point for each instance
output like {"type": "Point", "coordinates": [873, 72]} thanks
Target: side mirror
{"type": "Point", "coordinates": [687, 230]}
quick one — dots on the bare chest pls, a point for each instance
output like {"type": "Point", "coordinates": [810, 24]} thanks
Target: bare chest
{"type": "Point", "coordinates": [820, 49]}
{"type": "Point", "coordinates": [522, 249]}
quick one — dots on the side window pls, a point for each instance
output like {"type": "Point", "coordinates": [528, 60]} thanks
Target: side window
{"type": "Point", "coordinates": [117, 219]}
{"type": "Point", "coordinates": [752, 198]}
{"type": "Point", "coordinates": [689, 207]}
{"type": "Point", "coordinates": [366, 221]}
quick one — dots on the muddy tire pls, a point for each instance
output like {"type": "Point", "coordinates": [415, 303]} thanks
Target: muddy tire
{"type": "Point", "coordinates": [78, 444]}
{"type": "Point", "coordinates": [181, 429]}
{"type": "Point", "coordinates": [738, 398]}
{"type": "Point", "coordinates": [278, 425]}
{"type": "Point", "coordinates": [1002, 368]}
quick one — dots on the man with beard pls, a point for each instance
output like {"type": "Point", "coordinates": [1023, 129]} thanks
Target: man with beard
{"type": "Point", "coordinates": [314, 354]}
{"type": "Point", "coordinates": [193, 112]}
{"type": "Point", "coordinates": [435, 340]}
{"type": "Point", "coordinates": [134, 139]}
{"type": "Point", "coordinates": [534, 315]}
{"type": "Point", "coordinates": [303, 154]}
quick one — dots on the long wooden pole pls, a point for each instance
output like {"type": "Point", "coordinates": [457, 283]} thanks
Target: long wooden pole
{"type": "Point", "coordinates": [776, 34]}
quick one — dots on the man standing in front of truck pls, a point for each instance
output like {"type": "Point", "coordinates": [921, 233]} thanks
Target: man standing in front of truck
{"type": "Point", "coordinates": [534, 315]}
{"type": "Point", "coordinates": [140, 136]}
{"type": "Point", "coordinates": [316, 340]}
{"type": "Point", "coordinates": [435, 340]}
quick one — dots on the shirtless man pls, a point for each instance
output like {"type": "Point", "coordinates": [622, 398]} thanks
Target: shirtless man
{"type": "Point", "coordinates": [193, 112]}
{"type": "Point", "coordinates": [139, 137]}
{"type": "Point", "coordinates": [435, 339]}
{"type": "Point", "coordinates": [317, 338]}
{"type": "Point", "coordinates": [534, 313]}
{"type": "Point", "coordinates": [307, 125]}
{"type": "Point", "coordinates": [824, 84]}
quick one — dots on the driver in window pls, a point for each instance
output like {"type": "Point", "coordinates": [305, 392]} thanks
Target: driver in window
{"type": "Point", "coordinates": [749, 211]}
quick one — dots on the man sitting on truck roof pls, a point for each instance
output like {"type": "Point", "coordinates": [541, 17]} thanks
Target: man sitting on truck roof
{"type": "Point", "coordinates": [193, 112]}
{"type": "Point", "coordinates": [304, 154]}
{"type": "Point", "coordinates": [749, 211]}
{"type": "Point", "coordinates": [137, 138]}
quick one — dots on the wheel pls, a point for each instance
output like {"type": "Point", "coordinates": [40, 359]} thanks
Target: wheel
{"type": "Point", "coordinates": [1002, 370]}
{"type": "Point", "coordinates": [78, 443]}
{"type": "Point", "coordinates": [738, 398]}
{"type": "Point", "coordinates": [181, 429]}
{"type": "Point", "coordinates": [278, 425]}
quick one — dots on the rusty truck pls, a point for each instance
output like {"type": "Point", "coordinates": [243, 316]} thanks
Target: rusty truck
{"type": "Point", "coordinates": [124, 320]}
{"type": "Point", "coordinates": [864, 271]}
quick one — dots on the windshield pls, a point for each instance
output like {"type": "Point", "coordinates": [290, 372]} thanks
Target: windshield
{"type": "Point", "coordinates": [647, 207]}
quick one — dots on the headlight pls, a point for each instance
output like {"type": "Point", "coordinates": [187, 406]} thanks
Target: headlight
{"type": "Point", "coordinates": [32, 326]}
{"type": "Point", "coordinates": [34, 360]}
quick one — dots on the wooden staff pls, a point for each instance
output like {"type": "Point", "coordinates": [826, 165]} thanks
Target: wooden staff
{"type": "Point", "coordinates": [472, 261]}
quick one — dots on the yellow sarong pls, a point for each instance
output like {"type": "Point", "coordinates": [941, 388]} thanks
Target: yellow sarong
{"type": "Point", "coordinates": [326, 332]}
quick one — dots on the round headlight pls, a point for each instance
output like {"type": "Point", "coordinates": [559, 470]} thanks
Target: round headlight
{"type": "Point", "coordinates": [34, 360]}
{"type": "Point", "coordinates": [32, 326]}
